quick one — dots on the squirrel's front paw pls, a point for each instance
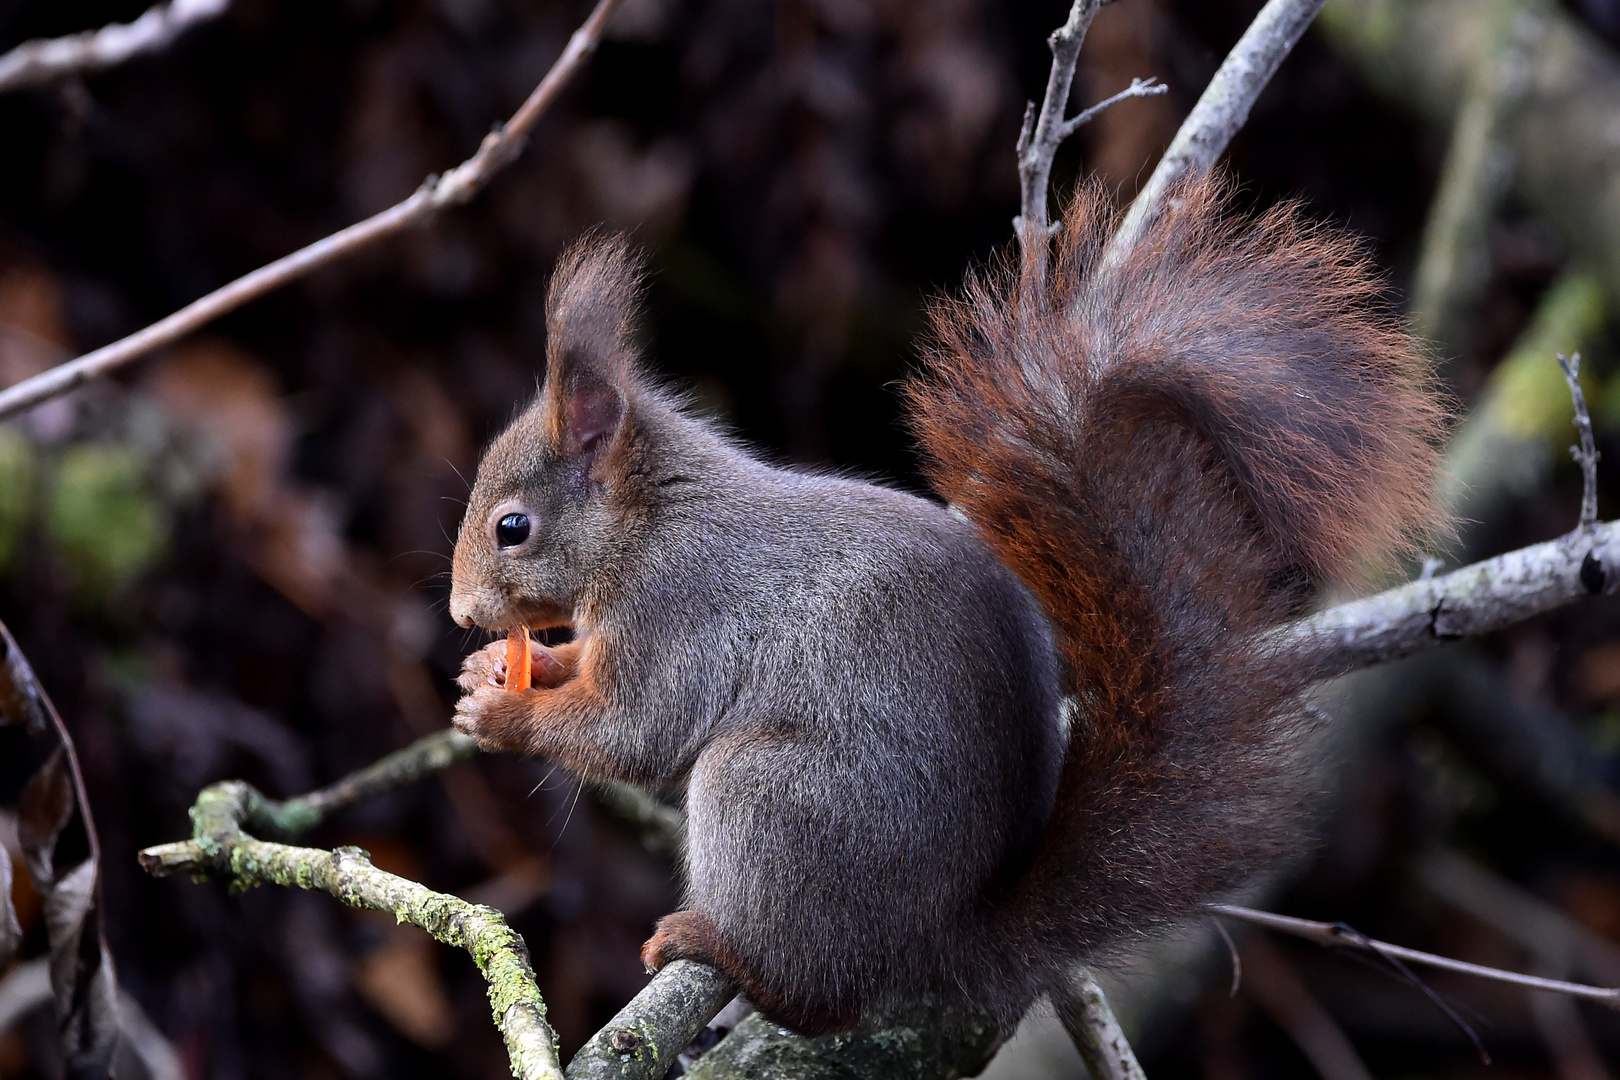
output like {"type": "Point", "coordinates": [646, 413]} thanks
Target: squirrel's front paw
{"type": "Point", "coordinates": [484, 667]}
{"type": "Point", "coordinates": [493, 716]}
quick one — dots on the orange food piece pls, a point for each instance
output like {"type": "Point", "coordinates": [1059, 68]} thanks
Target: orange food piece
{"type": "Point", "coordinates": [518, 675]}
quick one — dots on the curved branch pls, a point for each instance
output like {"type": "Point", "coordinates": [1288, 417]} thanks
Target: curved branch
{"type": "Point", "coordinates": [499, 148]}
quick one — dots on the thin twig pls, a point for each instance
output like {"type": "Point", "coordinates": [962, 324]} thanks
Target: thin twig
{"type": "Point", "coordinates": [1045, 129]}
{"type": "Point", "coordinates": [1585, 455]}
{"type": "Point", "coordinates": [1090, 1022]}
{"type": "Point", "coordinates": [47, 60]}
{"type": "Point", "coordinates": [1337, 935]}
{"type": "Point", "coordinates": [1148, 87]}
{"type": "Point", "coordinates": [1221, 111]}
{"type": "Point", "coordinates": [498, 149]}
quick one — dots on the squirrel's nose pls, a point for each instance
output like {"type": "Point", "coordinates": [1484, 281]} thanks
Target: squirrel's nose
{"type": "Point", "coordinates": [461, 610]}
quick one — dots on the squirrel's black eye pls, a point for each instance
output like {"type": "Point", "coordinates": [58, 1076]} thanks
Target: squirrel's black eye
{"type": "Point", "coordinates": [512, 530]}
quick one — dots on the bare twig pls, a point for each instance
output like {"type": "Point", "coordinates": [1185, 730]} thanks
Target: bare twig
{"type": "Point", "coordinates": [1044, 130]}
{"type": "Point", "coordinates": [47, 60]}
{"type": "Point", "coordinates": [1337, 935]}
{"type": "Point", "coordinates": [1220, 112]}
{"type": "Point", "coordinates": [1585, 455]}
{"type": "Point", "coordinates": [426, 755]}
{"type": "Point", "coordinates": [1477, 599]}
{"type": "Point", "coordinates": [1090, 1022]}
{"type": "Point", "coordinates": [457, 186]}
{"type": "Point", "coordinates": [1518, 915]}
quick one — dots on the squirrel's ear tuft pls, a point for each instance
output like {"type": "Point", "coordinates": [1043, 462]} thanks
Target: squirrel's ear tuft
{"type": "Point", "coordinates": [590, 360]}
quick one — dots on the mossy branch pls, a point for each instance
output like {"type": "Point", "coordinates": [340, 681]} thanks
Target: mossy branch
{"type": "Point", "coordinates": [220, 848]}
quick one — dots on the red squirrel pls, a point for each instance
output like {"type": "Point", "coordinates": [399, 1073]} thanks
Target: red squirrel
{"type": "Point", "coordinates": [956, 749]}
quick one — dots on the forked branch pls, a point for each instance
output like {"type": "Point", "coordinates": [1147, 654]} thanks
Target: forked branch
{"type": "Point", "coordinates": [1046, 128]}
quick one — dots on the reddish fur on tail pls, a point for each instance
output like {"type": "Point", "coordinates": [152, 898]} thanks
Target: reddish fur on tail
{"type": "Point", "coordinates": [1170, 452]}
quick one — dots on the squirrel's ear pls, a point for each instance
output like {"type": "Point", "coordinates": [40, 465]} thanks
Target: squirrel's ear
{"type": "Point", "coordinates": [589, 358]}
{"type": "Point", "coordinates": [586, 407]}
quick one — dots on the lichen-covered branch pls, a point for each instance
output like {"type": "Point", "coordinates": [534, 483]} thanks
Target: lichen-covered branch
{"type": "Point", "coordinates": [426, 755]}
{"type": "Point", "coordinates": [643, 1040]}
{"type": "Point", "coordinates": [220, 848]}
{"type": "Point", "coordinates": [1561, 133]}
{"type": "Point", "coordinates": [1090, 1022]}
{"type": "Point", "coordinates": [925, 1041]}
{"type": "Point", "coordinates": [47, 60]}
{"type": "Point", "coordinates": [1455, 265]}
{"type": "Point", "coordinates": [1221, 110]}
{"type": "Point", "coordinates": [457, 186]}
{"type": "Point", "coordinates": [1489, 595]}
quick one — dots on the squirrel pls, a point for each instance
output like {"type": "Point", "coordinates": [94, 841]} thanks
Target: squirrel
{"type": "Point", "coordinates": [958, 747]}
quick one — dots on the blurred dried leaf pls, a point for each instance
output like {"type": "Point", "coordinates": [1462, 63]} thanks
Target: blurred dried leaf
{"type": "Point", "coordinates": [10, 928]}
{"type": "Point", "coordinates": [43, 812]}
{"type": "Point", "coordinates": [82, 978]}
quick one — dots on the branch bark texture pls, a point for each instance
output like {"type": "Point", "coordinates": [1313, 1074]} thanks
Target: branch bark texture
{"type": "Point", "coordinates": [499, 148]}
{"type": "Point", "coordinates": [1478, 599]}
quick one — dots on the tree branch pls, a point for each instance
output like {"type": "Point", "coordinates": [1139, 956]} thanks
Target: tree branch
{"type": "Point", "coordinates": [1585, 455]}
{"type": "Point", "coordinates": [1478, 599]}
{"type": "Point", "coordinates": [1221, 110]}
{"type": "Point", "coordinates": [642, 1041]}
{"type": "Point", "coordinates": [1085, 1014]}
{"type": "Point", "coordinates": [46, 60]}
{"type": "Point", "coordinates": [499, 148]}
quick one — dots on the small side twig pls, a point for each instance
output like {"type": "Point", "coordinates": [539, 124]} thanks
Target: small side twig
{"type": "Point", "coordinates": [1337, 935]}
{"type": "Point", "coordinates": [1045, 129]}
{"type": "Point", "coordinates": [1090, 1022]}
{"type": "Point", "coordinates": [460, 184]}
{"type": "Point", "coordinates": [1222, 109]}
{"type": "Point", "coordinates": [1585, 455]}
{"type": "Point", "coordinates": [47, 60]}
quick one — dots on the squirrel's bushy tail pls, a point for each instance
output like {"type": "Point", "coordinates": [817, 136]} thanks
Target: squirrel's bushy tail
{"type": "Point", "coordinates": [1170, 452]}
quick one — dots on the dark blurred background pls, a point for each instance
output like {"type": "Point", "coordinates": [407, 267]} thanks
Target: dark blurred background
{"type": "Point", "coordinates": [229, 561]}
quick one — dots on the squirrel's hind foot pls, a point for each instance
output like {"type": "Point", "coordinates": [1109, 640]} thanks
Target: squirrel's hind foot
{"type": "Point", "coordinates": [692, 935]}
